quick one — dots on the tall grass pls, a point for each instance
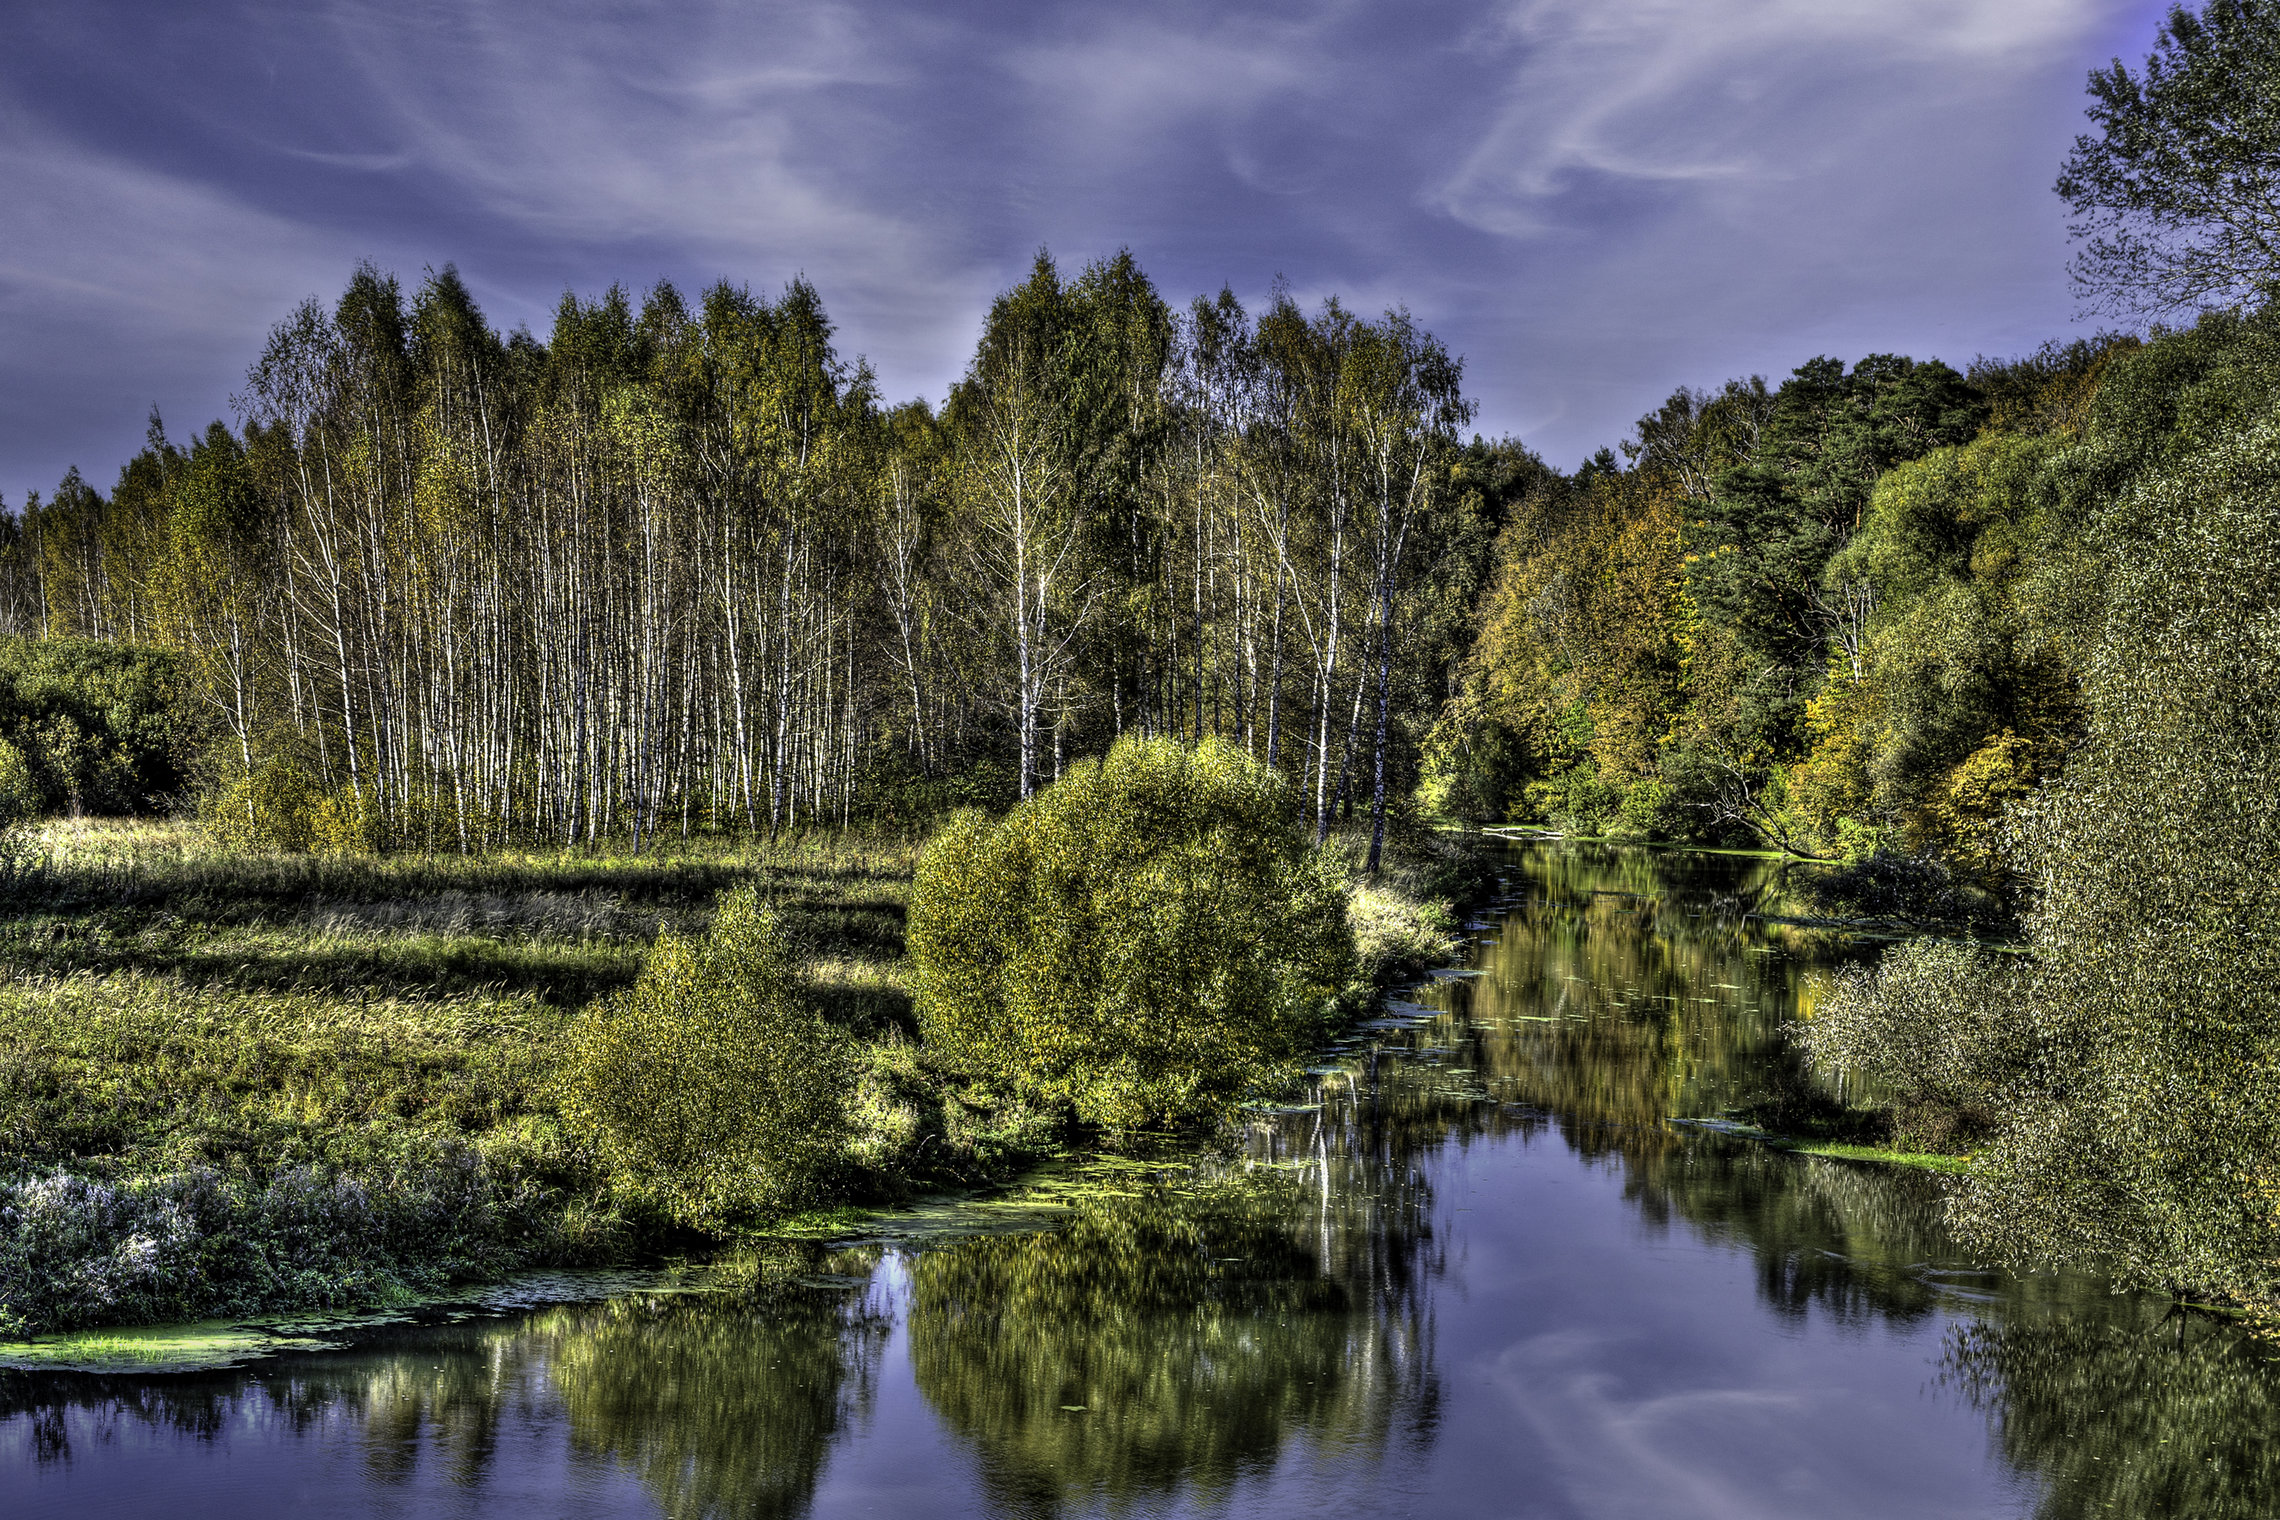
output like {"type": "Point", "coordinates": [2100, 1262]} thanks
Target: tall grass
{"type": "Point", "coordinates": [234, 1082]}
{"type": "Point", "coordinates": [171, 1152]}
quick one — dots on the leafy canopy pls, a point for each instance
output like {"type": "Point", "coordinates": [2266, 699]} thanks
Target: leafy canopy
{"type": "Point", "coordinates": [2177, 198]}
{"type": "Point", "coordinates": [1142, 939]}
{"type": "Point", "coordinates": [2127, 1070]}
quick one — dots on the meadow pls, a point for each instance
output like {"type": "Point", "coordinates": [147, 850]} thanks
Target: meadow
{"type": "Point", "coordinates": [236, 1082]}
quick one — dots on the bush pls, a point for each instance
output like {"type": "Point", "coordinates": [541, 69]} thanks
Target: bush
{"type": "Point", "coordinates": [19, 789]}
{"type": "Point", "coordinates": [284, 804]}
{"type": "Point", "coordinates": [894, 794]}
{"type": "Point", "coordinates": [1575, 801]}
{"type": "Point", "coordinates": [711, 1087]}
{"type": "Point", "coordinates": [1474, 769]}
{"type": "Point", "coordinates": [100, 724]}
{"type": "Point", "coordinates": [1926, 1029]}
{"type": "Point", "coordinates": [78, 1251]}
{"type": "Point", "coordinates": [272, 807]}
{"type": "Point", "coordinates": [1649, 810]}
{"type": "Point", "coordinates": [1397, 937]}
{"type": "Point", "coordinates": [1142, 940]}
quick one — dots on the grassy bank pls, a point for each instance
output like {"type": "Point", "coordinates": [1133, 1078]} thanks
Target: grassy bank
{"type": "Point", "coordinates": [1835, 1150]}
{"type": "Point", "coordinates": [232, 1083]}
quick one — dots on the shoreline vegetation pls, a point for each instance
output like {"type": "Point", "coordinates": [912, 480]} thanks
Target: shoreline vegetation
{"type": "Point", "coordinates": [243, 1083]}
{"type": "Point", "coordinates": [1996, 649]}
{"type": "Point", "coordinates": [1836, 1150]}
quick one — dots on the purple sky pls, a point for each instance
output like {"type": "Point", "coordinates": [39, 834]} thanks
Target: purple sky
{"type": "Point", "coordinates": [1594, 201]}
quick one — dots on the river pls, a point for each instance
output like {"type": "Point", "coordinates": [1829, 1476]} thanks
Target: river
{"type": "Point", "coordinates": [1482, 1276]}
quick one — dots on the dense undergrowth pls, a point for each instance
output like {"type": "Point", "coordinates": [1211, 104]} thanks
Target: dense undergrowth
{"type": "Point", "coordinates": [236, 1082]}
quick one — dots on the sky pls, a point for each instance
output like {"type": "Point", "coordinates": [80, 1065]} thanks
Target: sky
{"type": "Point", "coordinates": [1594, 202]}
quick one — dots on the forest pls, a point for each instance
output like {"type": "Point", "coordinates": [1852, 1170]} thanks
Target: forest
{"type": "Point", "coordinates": [1992, 650]}
{"type": "Point", "coordinates": [681, 569]}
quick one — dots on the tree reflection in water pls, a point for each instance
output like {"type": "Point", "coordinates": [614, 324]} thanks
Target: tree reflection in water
{"type": "Point", "coordinates": [432, 1395]}
{"type": "Point", "coordinates": [1168, 1343]}
{"type": "Point", "coordinates": [2145, 1411]}
{"type": "Point", "coordinates": [1280, 1302]}
{"type": "Point", "coordinates": [1627, 988]}
{"type": "Point", "coordinates": [723, 1405]}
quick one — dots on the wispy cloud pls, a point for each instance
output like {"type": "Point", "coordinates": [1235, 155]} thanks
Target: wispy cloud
{"type": "Point", "coordinates": [121, 287]}
{"type": "Point", "coordinates": [1594, 200]}
{"type": "Point", "coordinates": [1764, 1434]}
{"type": "Point", "coordinates": [1732, 95]}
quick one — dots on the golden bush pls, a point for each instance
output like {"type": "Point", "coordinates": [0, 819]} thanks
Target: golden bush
{"type": "Point", "coordinates": [711, 1086]}
{"type": "Point", "coordinates": [1142, 940]}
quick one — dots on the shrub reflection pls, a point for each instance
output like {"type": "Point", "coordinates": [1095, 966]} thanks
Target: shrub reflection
{"type": "Point", "coordinates": [1164, 1345]}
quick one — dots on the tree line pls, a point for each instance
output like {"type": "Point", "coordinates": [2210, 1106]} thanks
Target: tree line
{"type": "Point", "coordinates": [1837, 617]}
{"type": "Point", "coordinates": [680, 566]}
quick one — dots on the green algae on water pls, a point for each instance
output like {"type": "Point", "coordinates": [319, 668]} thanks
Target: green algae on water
{"type": "Point", "coordinates": [1929, 1161]}
{"type": "Point", "coordinates": [215, 1344]}
{"type": "Point", "coordinates": [206, 1346]}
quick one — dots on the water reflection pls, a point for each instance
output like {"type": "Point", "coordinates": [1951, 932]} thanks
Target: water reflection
{"type": "Point", "coordinates": [1163, 1345]}
{"type": "Point", "coordinates": [719, 1404]}
{"type": "Point", "coordinates": [721, 1409]}
{"type": "Point", "coordinates": [2142, 1411]}
{"type": "Point", "coordinates": [1311, 1302]}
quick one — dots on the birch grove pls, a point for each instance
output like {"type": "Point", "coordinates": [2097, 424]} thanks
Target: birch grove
{"type": "Point", "coordinates": [679, 567]}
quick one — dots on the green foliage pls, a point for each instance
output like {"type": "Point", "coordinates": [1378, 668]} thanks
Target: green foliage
{"type": "Point", "coordinates": [177, 1153]}
{"type": "Point", "coordinates": [1972, 595]}
{"type": "Point", "coordinates": [898, 795]}
{"type": "Point", "coordinates": [712, 1087]}
{"type": "Point", "coordinates": [1397, 936]}
{"type": "Point", "coordinates": [1928, 1028]}
{"type": "Point", "coordinates": [2177, 197]}
{"type": "Point", "coordinates": [2132, 1061]}
{"type": "Point", "coordinates": [1574, 800]}
{"type": "Point", "coordinates": [99, 724]}
{"type": "Point", "coordinates": [1650, 809]}
{"type": "Point", "coordinates": [1141, 940]}
{"type": "Point", "coordinates": [1773, 521]}
{"type": "Point", "coordinates": [272, 807]}
{"type": "Point", "coordinates": [19, 788]}
{"type": "Point", "coordinates": [1475, 768]}
{"type": "Point", "coordinates": [318, 1079]}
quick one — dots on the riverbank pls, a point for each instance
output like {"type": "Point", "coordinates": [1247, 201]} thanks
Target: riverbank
{"type": "Point", "coordinates": [1834, 1150]}
{"type": "Point", "coordinates": [238, 1084]}
{"type": "Point", "coordinates": [1485, 1180]}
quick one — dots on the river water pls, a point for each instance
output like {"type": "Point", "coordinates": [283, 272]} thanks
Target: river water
{"type": "Point", "coordinates": [1484, 1276]}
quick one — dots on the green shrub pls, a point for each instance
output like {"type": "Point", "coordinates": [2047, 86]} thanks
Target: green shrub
{"type": "Point", "coordinates": [1397, 936]}
{"type": "Point", "coordinates": [1645, 812]}
{"type": "Point", "coordinates": [711, 1087]}
{"type": "Point", "coordinates": [1575, 801]}
{"type": "Point", "coordinates": [272, 807]}
{"type": "Point", "coordinates": [1926, 1028]}
{"type": "Point", "coordinates": [19, 788]}
{"type": "Point", "coordinates": [1142, 940]}
{"type": "Point", "coordinates": [101, 724]}
{"type": "Point", "coordinates": [284, 804]}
